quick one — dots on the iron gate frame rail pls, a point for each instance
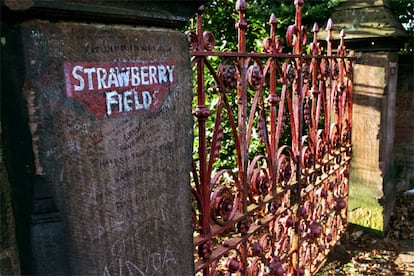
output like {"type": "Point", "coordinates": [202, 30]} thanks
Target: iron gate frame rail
{"type": "Point", "coordinates": [281, 211]}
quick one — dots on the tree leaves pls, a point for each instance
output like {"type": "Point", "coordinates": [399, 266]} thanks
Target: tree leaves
{"type": "Point", "coordinates": [220, 18]}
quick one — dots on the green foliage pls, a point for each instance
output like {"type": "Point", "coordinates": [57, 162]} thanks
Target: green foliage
{"type": "Point", "coordinates": [220, 18]}
{"type": "Point", "coordinates": [404, 10]}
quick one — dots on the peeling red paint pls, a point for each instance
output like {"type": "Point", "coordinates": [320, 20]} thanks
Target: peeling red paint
{"type": "Point", "coordinates": [111, 89]}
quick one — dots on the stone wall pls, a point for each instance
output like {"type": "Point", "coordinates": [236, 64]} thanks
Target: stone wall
{"type": "Point", "coordinates": [404, 129]}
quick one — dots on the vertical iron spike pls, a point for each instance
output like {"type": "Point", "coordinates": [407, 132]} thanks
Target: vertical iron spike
{"type": "Point", "coordinates": [241, 25]}
{"type": "Point", "coordinates": [241, 9]}
{"type": "Point", "coordinates": [329, 28]}
{"type": "Point", "coordinates": [342, 35]}
{"type": "Point", "coordinates": [199, 23]}
{"type": "Point", "coordinates": [341, 47]}
{"type": "Point", "coordinates": [298, 15]}
{"type": "Point", "coordinates": [329, 38]}
{"type": "Point", "coordinates": [315, 30]}
{"type": "Point", "coordinates": [273, 24]}
{"type": "Point", "coordinates": [298, 28]}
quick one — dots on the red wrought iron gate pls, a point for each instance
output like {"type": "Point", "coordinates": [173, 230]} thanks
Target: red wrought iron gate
{"type": "Point", "coordinates": [283, 205]}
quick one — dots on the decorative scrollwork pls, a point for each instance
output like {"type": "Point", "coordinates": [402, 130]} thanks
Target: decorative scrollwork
{"type": "Point", "coordinates": [256, 267]}
{"type": "Point", "coordinates": [349, 70]}
{"type": "Point", "coordinates": [321, 148]}
{"type": "Point", "coordinates": [268, 45]}
{"type": "Point", "coordinates": [290, 71]}
{"type": "Point", "coordinates": [244, 225]}
{"type": "Point", "coordinates": [260, 183]}
{"type": "Point", "coordinates": [209, 41]}
{"type": "Point", "coordinates": [285, 166]}
{"type": "Point", "coordinates": [272, 46]}
{"type": "Point", "coordinates": [293, 33]}
{"type": "Point", "coordinates": [263, 129]}
{"type": "Point", "coordinates": [255, 77]}
{"type": "Point", "coordinates": [192, 40]}
{"type": "Point", "coordinates": [306, 72]}
{"type": "Point", "coordinates": [315, 231]}
{"type": "Point", "coordinates": [233, 264]}
{"type": "Point", "coordinates": [335, 70]}
{"type": "Point", "coordinates": [281, 232]}
{"type": "Point", "coordinates": [284, 201]}
{"type": "Point", "coordinates": [335, 96]}
{"type": "Point", "coordinates": [218, 137]}
{"type": "Point", "coordinates": [222, 205]}
{"type": "Point", "coordinates": [228, 75]}
{"type": "Point", "coordinates": [335, 140]}
{"type": "Point", "coordinates": [346, 134]}
{"type": "Point", "coordinates": [223, 197]}
{"type": "Point", "coordinates": [324, 68]}
{"type": "Point", "coordinates": [205, 249]}
{"type": "Point", "coordinates": [276, 267]}
{"type": "Point", "coordinates": [285, 170]}
{"type": "Point", "coordinates": [307, 111]}
{"type": "Point", "coordinates": [308, 158]}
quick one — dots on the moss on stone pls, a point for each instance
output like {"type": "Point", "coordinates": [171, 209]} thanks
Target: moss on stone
{"type": "Point", "coordinates": [364, 208]}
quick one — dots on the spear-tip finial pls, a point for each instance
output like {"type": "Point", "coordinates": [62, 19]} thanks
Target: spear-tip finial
{"type": "Point", "coordinates": [315, 28]}
{"type": "Point", "coordinates": [200, 9]}
{"type": "Point", "coordinates": [299, 2]}
{"type": "Point", "coordinates": [272, 19]}
{"type": "Point", "coordinates": [241, 5]}
{"type": "Point", "coordinates": [330, 25]}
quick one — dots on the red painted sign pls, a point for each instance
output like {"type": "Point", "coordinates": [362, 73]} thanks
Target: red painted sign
{"type": "Point", "coordinates": [111, 89]}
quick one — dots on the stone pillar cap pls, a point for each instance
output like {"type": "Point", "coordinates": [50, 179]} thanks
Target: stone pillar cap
{"type": "Point", "coordinates": [165, 13]}
{"type": "Point", "coordinates": [367, 22]}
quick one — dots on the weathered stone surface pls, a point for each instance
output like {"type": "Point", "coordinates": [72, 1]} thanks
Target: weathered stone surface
{"type": "Point", "coordinates": [369, 26]}
{"type": "Point", "coordinates": [170, 13]}
{"type": "Point", "coordinates": [120, 183]}
{"type": "Point", "coordinates": [373, 136]}
{"type": "Point", "coordinates": [367, 19]}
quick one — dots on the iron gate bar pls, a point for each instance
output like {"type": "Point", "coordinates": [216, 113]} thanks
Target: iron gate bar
{"type": "Point", "coordinates": [279, 212]}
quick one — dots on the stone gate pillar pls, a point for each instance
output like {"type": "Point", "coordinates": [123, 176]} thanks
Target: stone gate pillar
{"type": "Point", "coordinates": [376, 36]}
{"type": "Point", "coordinates": [97, 135]}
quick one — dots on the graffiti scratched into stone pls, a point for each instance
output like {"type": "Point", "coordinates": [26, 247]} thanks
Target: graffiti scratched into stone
{"type": "Point", "coordinates": [155, 264]}
{"type": "Point", "coordinates": [161, 261]}
{"type": "Point", "coordinates": [111, 89]}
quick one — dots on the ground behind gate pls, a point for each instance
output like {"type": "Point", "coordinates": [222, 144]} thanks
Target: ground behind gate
{"type": "Point", "coordinates": [362, 253]}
